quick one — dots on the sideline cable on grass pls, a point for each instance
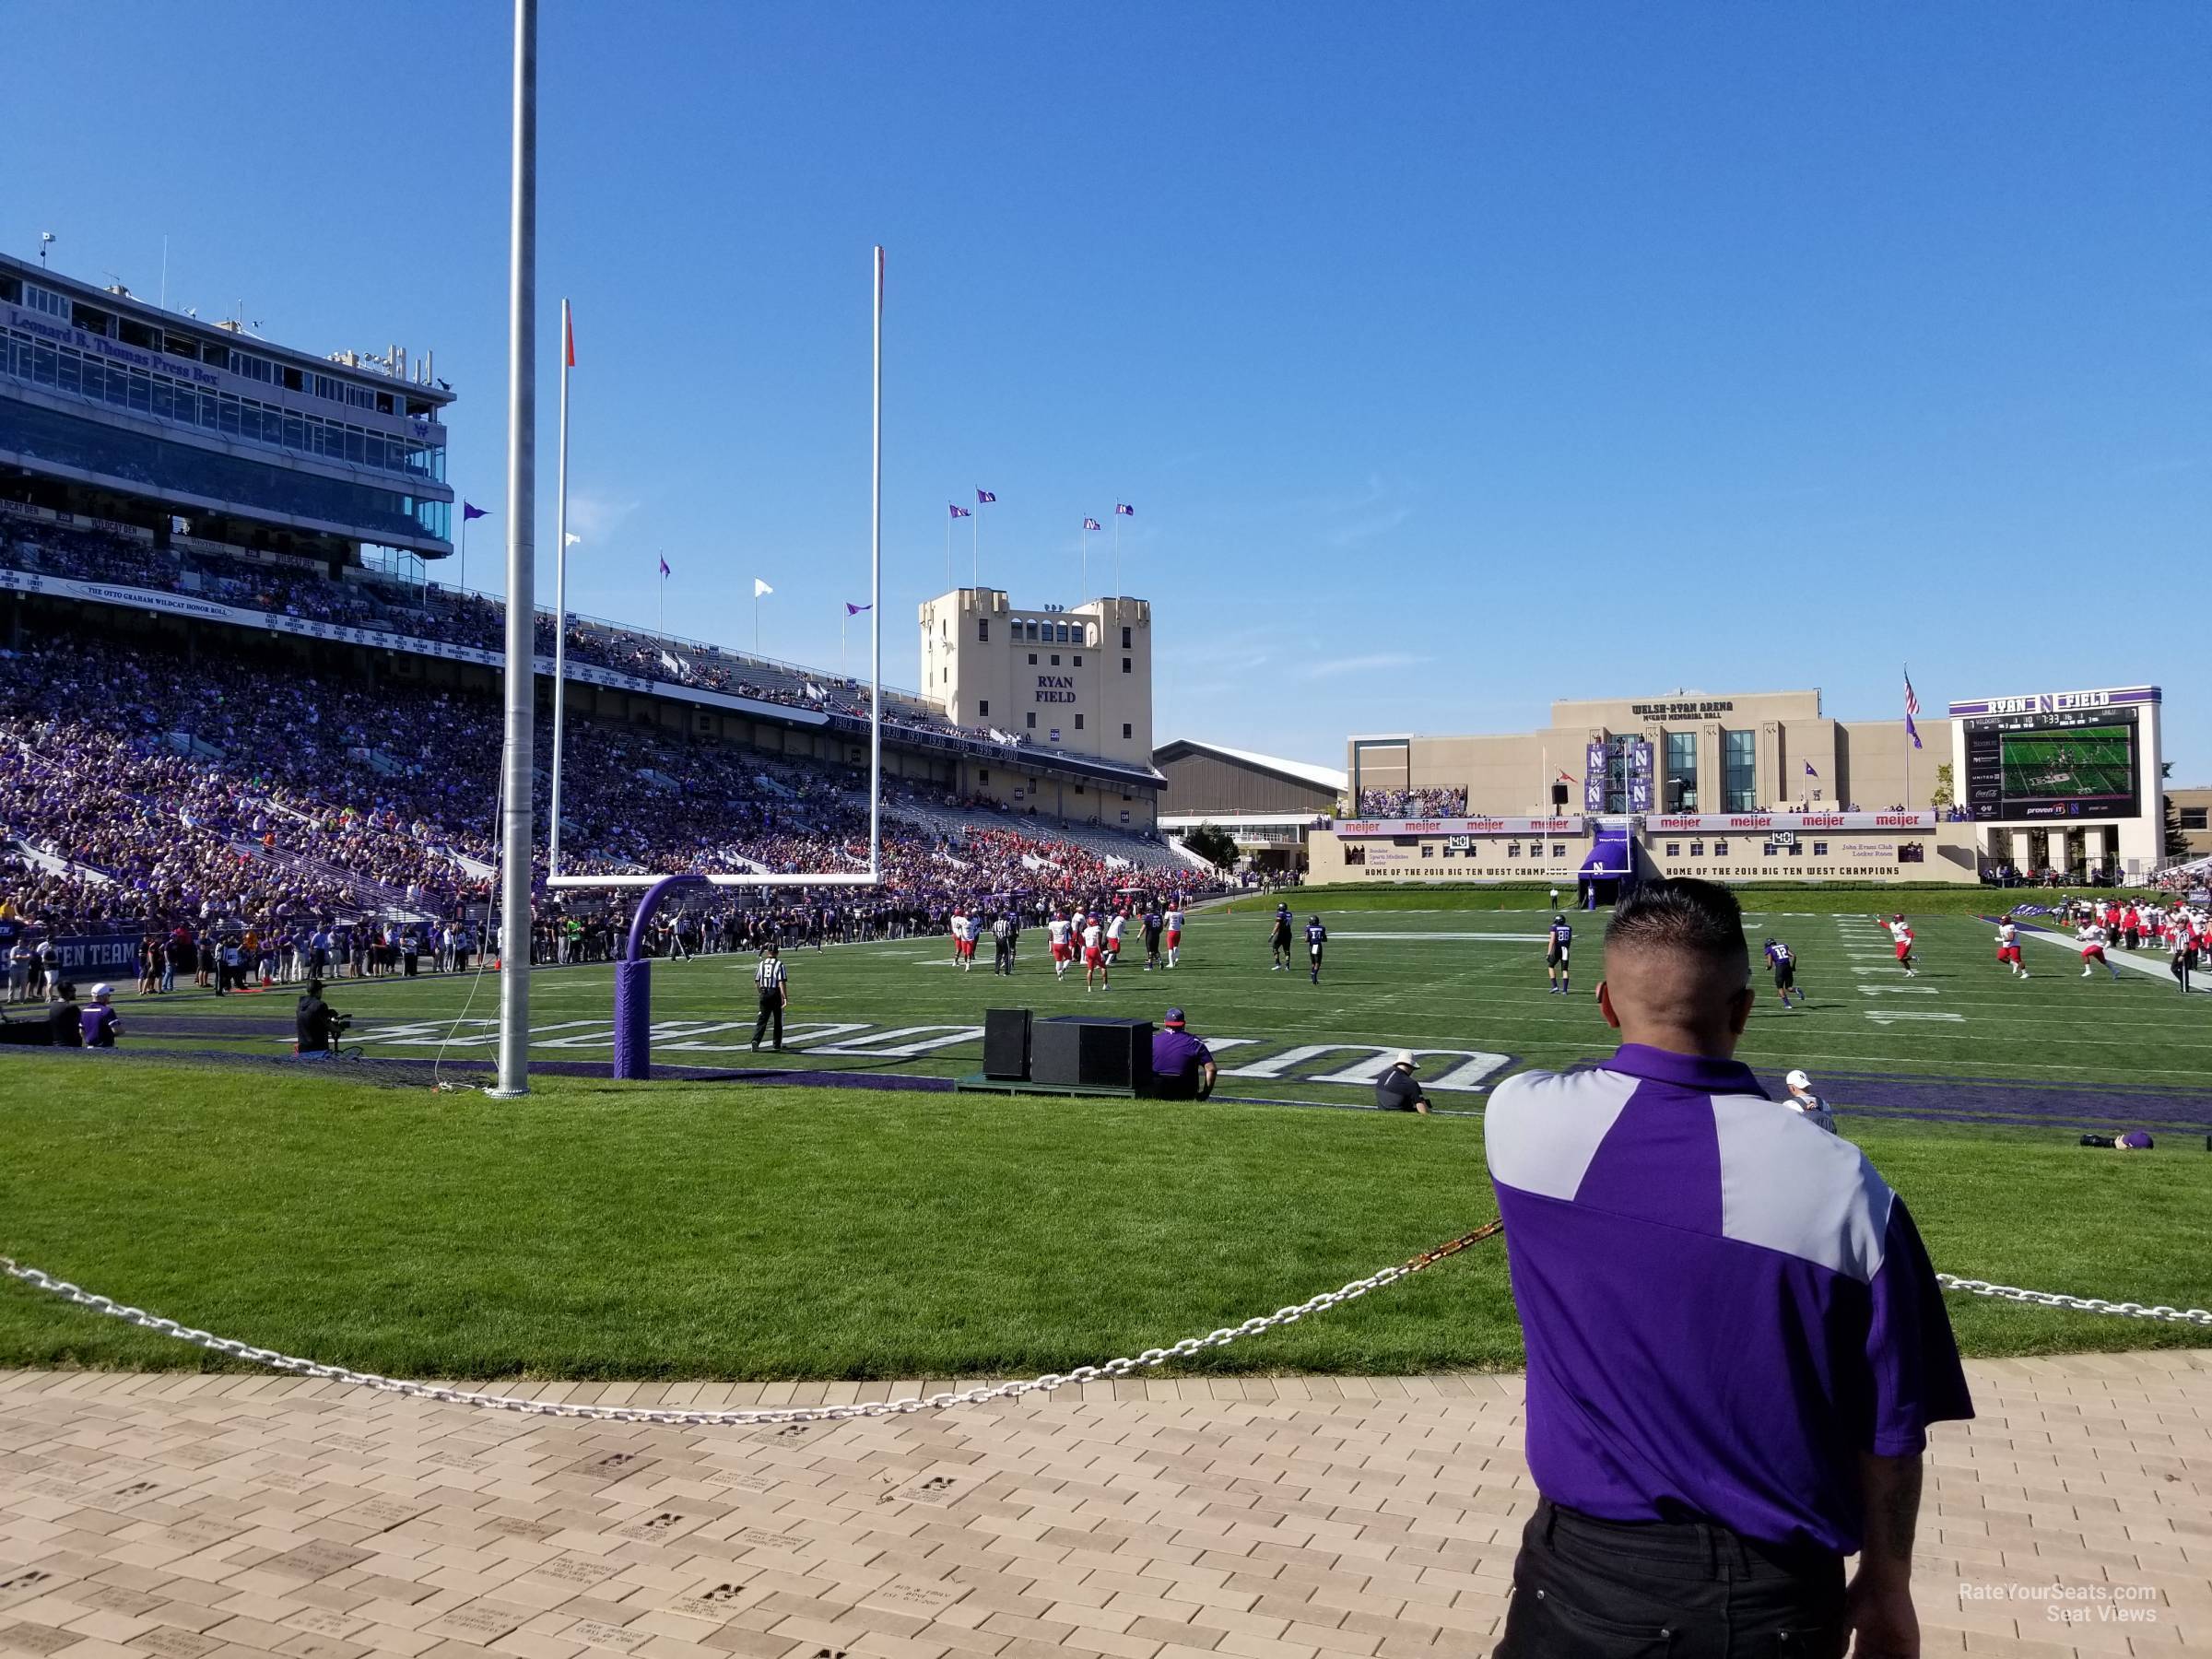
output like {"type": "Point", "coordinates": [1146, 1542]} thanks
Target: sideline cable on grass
{"type": "Point", "coordinates": [792, 1414]}
{"type": "Point", "coordinates": [972, 1396]}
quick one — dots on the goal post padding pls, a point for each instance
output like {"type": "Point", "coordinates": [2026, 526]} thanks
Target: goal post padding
{"type": "Point", "coordinates": [633, 984]}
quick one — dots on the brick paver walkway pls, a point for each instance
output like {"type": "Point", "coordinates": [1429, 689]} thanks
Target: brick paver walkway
{"type": "Point", "coordinates": [227, 1517]}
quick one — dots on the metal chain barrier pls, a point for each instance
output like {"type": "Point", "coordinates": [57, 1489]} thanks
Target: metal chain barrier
{"type": "Point", "coordinates": [2078, 1304]}
{"type": "Point", "coordinates": [1107, 1373]}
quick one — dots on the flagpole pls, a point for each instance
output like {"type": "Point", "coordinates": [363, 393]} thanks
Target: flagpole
{"type": "Point", "coordinates": [518, 750]}
{"type": "Point", "coordinates": [1080, 597]}
{"type": "Point", "coordinates": [975, 554]}
{"type": "Point", "coordinates": [1909, 735]}
{"type": "Point", "coordinates": [844, 621]}
{"type": "Point", "coordinates": [948, 517]}
{"type": "Point", "coordinates": [660, 623]}
{"type": "Point", "coordinates": [464, 549]}
{"type": "Point", "coordinates": [876, 585]}
{"type": "Point", "coordinates": [1117, 550]}
{"type": "Point", "coordinates": [561, 602]}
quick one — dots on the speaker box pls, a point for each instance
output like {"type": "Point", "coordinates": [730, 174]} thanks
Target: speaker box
{"type": "Point", "coordinates": [1076, 1050]}
{"type": "Point", "coordinates": [1559, 794]}
{"type": "Point", "coordinates": [1006, 1044]}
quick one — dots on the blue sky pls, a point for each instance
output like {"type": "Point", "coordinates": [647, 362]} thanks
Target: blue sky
{"type": "Point", "coordinates": [1454, 358]}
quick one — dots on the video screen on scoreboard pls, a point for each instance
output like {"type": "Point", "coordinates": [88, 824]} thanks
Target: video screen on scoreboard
{"type": "Point", "coordinates": [2054, 766]}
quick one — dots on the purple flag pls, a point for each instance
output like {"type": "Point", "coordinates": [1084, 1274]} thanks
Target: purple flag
{"type": "Point", "coordinates": [1091, 523]}
{"type": "Point", "coordinates": [959, 511]}
{"type": "Point", "coordinates": [985, 495]}
{"type": "Point", "coordinates": [854, 610]}
{"type": "Point", "coordinates": [469, 510]}
{"type": "Point", "coordinates": [1913, 731]}
{"type": "Point", "coordinates": [664, 567]}
{"type": "Point", "coordinates": [1809, 771]}
{"type": "Point", "coordinates": [1125, 510]}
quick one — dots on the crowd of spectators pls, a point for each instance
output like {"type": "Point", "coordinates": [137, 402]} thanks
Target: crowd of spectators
{"type": "Point", "coordinates": [444, 615]}
{"type": "Point", "coordinates": [140, 792]}
{"type": "Point", "coordinates": [1413, 803]}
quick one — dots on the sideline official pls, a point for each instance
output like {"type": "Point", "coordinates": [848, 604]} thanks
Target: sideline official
{"type": "Point", "coordinates": [775, 993]}
{"type": "Point", "coordinates": [1726, 1397]}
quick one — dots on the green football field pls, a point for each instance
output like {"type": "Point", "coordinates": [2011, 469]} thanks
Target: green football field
{"type": "Point", "coordinates": [1465, 987]}
{"type": "Point", "coordinates": [2095, 761]}
{"type": "Point", "coordinates": [777, 1227]}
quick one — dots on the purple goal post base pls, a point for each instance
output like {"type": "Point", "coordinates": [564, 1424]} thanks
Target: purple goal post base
{"type": "Point", "coordinates": [633, 984]}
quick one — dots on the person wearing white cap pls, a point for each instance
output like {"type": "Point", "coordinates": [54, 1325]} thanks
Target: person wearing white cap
{"type": "Point", "coordinates": [1803, 1100]}
{"type": "Point", "coordinates": [1395, 1089]}
{"type": "Point", "coordinates": [99, 1023]}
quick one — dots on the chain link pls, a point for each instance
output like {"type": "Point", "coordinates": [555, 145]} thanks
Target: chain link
{"type": "Point", "coordinates": [2079, 1304]}
{"type": "Point", "coordinates": [1107, 1373]}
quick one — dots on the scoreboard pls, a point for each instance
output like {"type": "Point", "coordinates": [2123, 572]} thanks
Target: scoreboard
{"type": "Point", "coordinates": [2074, 764]}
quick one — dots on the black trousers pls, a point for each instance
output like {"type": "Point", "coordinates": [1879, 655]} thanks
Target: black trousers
{"type": "Point", "coordinates": [771, 1012]}
{"type": "Point", "coordinates": [1001, 960]}
{"type": "Point", "coordinates": [1684, 1589]}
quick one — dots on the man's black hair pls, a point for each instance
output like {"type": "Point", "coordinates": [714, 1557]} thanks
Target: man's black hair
{"type": "Point", "coordinates": [1679, 912]}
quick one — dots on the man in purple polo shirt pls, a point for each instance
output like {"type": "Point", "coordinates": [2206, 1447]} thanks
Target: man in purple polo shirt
{"type": "Point", "coordinates": [1182, 1067]}
{"type": "Point", "coordinates": [1735, 1341]}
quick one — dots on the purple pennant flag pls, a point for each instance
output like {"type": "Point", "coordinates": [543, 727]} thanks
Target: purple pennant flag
{"type": "Point", "coordinates": [854, 610]}
{"type": "Point", "coordinates": [958, 511]}
{"type": "Point", "coordinates": [1091, 523]}
{"type": "Point", "coordinates": [985, 495]}
{"type": "Point", "coordinates": [1913, 731]}
{"type": "Point", "coordinates": [1125, 510]}
{"type": "Point", "coordinates": [664, 567]}
{"type": "Point", "coordinates": [469, 510]}
{"type": "Point", "coordinates": [1809, 771]}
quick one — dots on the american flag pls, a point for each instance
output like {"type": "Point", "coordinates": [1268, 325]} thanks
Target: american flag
{"type": "Point", "coordinates": [1911, 702]}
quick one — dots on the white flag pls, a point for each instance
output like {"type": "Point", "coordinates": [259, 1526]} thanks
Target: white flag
{"type": "Point", "coordinates": [761, 588]}
{"type": "Point", "coordinates": [573, 540]}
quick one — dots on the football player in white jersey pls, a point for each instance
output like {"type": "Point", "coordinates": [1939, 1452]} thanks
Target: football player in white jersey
{"type": "Point", "coordinates": [2092, 937]}
{"type": "Point", "coordinates": [1172, 941]}
{"type": "Point", "coordinates": [958, 928]}
{"type": "Point", "coordinates": [1058, 930]}
{"type": "Point", "coordinates": [2008, 949]}
{"type": "Point", "coordinates": [1095, 965]}
{"type": "Point", "coordinates": [1903, 936]}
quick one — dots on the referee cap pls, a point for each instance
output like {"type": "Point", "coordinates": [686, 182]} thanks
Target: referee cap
{"type": "Point", "coordinates": [1797, 1079]}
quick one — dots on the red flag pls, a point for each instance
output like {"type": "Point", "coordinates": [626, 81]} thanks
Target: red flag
{"type": "Point", "coordinates": [568, 329]}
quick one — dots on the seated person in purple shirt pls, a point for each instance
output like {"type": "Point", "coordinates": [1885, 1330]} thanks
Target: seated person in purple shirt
{"type": "Point", "coordinates": [100, 1024]}
{"type": "Point", "coordinates": [1736, 1340]}
{"type": "Point", "coordinates": [1182, 1067]}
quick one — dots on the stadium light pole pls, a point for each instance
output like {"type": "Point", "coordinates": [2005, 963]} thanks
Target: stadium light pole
{"type": "Point", "coordinates": [522, 609]}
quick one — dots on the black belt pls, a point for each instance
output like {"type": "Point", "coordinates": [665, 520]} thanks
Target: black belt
{"type": "Point", "coordinates": [1689, 1539]}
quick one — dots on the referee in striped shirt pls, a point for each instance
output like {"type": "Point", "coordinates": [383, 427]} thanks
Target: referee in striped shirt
{"type": "Point", "coordinates": [775, 991]}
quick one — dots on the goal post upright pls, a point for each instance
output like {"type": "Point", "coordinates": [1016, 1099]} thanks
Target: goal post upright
{"type": "Point", "coordinates": [633, 974]}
